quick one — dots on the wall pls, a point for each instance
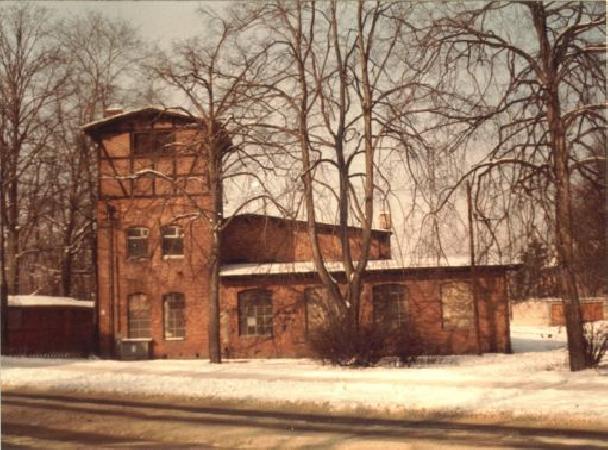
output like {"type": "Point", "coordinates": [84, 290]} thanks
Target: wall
{"type": "Point", "coordinates": [289, 337]}
{"type": "Point", "coordinates": [550, 311]}
{"type": "Point", "coordinates": [251, 238]}
{"type": "Point", "coordinates": [51, 330]}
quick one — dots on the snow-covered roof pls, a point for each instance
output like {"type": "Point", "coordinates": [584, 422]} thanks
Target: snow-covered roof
{"type": "Point", "coordinates": [162, 112]}
{"type": "Point", "coordinates": [45, 300]}
{"type": "Point", "coordinates": [251, 269]}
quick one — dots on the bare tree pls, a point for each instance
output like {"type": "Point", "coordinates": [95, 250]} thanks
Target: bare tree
{"type": "Point", "coordinates": [548, 94]}
{"type": "Point", "coordinates": [329, 92]}
{"type": "Point", "coordinates": [31, 75]}
{"type": "Point", "coordinates": [216, 73]}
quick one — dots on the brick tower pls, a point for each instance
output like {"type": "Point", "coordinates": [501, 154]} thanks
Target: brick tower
{"type": "Point", "coordinates": [152, 246]}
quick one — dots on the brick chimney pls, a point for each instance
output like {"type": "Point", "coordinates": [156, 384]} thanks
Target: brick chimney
{"type": "Point", "coordinates": [384, 220]}
{"type": "Point", "coordinates": [109, 112]}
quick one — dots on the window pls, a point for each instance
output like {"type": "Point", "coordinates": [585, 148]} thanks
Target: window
{"type": "Point", "coordinates": [137, 242]}
{"type": "Point", "coordinates": [138, 317]}
{"type": "Point", "coordinates": [316, 300]}
{"type": "Point", "coordinates": [175, 322]}
{"type": "Point", "coordinates": [173, 241]}
{"type": "Point", "coordinates": [255, 313]}
{"type": "Point", "coordinates": [390, 305]}
{"type": "Point", "coordinates": [457, 305]}
{"type": "Point", "coordinates": [152, 142]}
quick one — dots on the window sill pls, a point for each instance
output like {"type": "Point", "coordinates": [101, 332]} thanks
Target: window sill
{"type": "Point", "coordinates": [173, 256]}
{"type": "Point", "coordinates": [137, 340]}
{"type": "Point", "coordinates": [175, 338]}
{"type": "Point", "coordinates": [137, 258]}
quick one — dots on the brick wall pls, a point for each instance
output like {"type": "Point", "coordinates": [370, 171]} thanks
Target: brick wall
{"type": "Point", "coordinates": [252, 238]}
{"type": "Point", "coordinates": [425, 313]}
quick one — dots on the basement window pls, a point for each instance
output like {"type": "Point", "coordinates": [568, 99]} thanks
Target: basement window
{"type": "Point", "coordinates": [255, 312]}
{"type": "Point", "coordinates": [390, 308]}
{"type": "Point", "coordinates": [137, 242]}
{"type": "Point", "coordinates": [138, 317]}
{"type": "Point", "coordinates": [173, 242]}
{"type": "Point", "coordinates": [457, 305]}
{"type": "Point", "coordinates": [153, 142]}
{"type": "Point", "coordinates": [175, 318]}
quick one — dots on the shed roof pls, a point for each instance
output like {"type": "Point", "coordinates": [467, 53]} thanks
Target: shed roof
{"type": "Point", "coordinates": [45, 300]}
{"type": "Point", "coordinates": [373, 266]}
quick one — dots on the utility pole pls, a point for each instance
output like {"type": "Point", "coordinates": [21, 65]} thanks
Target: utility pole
{"type": "Point", "coordinates": [474, 282]}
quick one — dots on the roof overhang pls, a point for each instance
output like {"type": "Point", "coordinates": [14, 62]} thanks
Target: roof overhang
{"type": "Point", "coordinates": [156, 112]}
{"type": "Point", "coordinates": [373, 266]}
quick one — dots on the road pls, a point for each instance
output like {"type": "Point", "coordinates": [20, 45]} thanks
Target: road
{"type": "Point", "coordinates": [51, 420]}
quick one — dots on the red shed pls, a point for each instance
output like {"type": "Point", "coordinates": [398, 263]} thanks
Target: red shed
{"type": "Point", "coordinates": [41, 325]}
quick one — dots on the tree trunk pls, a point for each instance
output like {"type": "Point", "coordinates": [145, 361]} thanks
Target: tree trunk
{"type": "Point", "coordinates": [12, 247]}
{"type": "Point", "coordinates": [548, 74]}
{"type": "Point", "coordinates": [3, 281]}
{"type": "Point", "coordinates": [215, 352]}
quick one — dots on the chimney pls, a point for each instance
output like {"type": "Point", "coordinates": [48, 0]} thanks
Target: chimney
{"type": "Point", "coordinates": [109, 112]}
{"type": "Point", "coordinates": [384, 220]}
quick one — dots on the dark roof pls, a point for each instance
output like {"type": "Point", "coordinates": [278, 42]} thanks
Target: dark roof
{"type": "Point", "coordinates": [160, 113]}
{"type": "Point", "coordinates": [327, 226]}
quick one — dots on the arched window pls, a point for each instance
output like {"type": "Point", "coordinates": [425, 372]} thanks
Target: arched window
{"type": "Point", "coordinates": [137, 242]}
{"type": "Point", "coordinates": [138, 317]}
{"type": "Point", "coordinates": [255, 312]}
{"type": "Point", "coordinates": [173, 241]}
{"type": "Point", "coordinates": [390, 305]}
{"type": "Point", "coordinates": [174, 305]}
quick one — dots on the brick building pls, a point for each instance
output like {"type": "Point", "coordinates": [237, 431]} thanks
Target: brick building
{"type": "Point", "coordinates": [152, 268]}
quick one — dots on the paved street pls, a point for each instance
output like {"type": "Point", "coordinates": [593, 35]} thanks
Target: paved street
{"type": "Point", "coordinates": [46, 420]}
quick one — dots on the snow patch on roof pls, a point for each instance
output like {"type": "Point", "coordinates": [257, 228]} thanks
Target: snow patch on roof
{"type": "Point", "coordinates": [45, 300]}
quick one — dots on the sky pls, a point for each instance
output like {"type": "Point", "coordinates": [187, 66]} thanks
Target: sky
{"type": "Point", "coordinates": [156, 20]}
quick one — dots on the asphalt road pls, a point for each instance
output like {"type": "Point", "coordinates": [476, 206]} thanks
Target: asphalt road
{"type": "Point", "coordinates": [49, 420]}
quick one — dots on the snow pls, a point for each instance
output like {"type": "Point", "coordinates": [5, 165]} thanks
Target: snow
{"type": "Point", "coordinates": [236, 270]}
{"type": "Point", "coordinates": [535, 383]}
{"type": "Point", "coordinates": [44, 300]}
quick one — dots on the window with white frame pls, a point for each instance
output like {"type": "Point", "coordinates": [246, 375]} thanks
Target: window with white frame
{"type": "Point", "coordinates": [174, 315]}
{"type": "Point", "coordinates": [173, 241]}
{"type": "Point", "coordinates": [255, 312]}
{"type": "Point", "coordinates": [138, 317]}
{"type": "Point", "coordinates": [457, 305]}
{"type": "Point", "coordinates": [137, 242]}
{"type": "Point", "coordinates": [390, 306]}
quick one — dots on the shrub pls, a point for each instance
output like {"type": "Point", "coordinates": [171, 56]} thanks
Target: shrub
{"type": "Point", "coordinates": [343, 344]}
{"type": "Point", "coordinates": [596, 343]}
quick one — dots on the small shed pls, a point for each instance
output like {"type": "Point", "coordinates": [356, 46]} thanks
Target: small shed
{"type": "Point", "coordinates": [43, 325]}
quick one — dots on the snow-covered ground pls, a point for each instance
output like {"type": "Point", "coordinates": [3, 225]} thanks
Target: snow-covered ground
{"type": "Point", "coordinates": [533, 383]}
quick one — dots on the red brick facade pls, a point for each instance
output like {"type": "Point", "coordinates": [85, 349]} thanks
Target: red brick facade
{"type": "Point", "coordinates": [127, 200]}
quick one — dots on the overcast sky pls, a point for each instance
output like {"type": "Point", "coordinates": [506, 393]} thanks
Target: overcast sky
{"type": "Point", "coordinates": [156, 20]}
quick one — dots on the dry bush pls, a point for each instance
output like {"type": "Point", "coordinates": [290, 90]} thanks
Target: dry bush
{"type": "Point", "coordinates": [341, 343]}
{"type": "Point", "coordinates": [596, 343]}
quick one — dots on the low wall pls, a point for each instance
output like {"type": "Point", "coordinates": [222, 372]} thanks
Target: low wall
{"type": "Point", "coordinates": [550, 311]}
